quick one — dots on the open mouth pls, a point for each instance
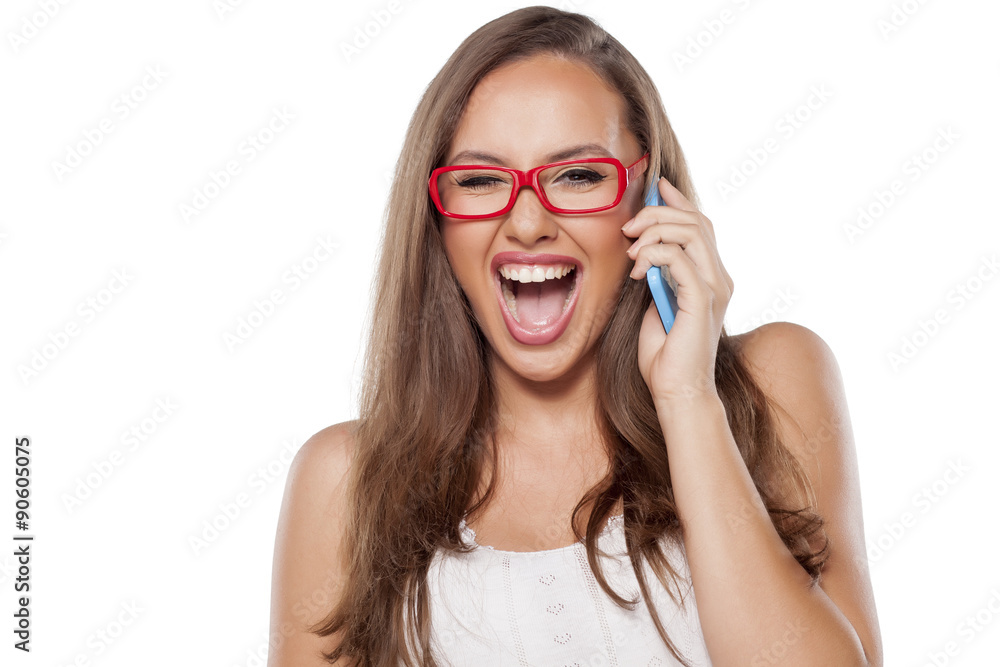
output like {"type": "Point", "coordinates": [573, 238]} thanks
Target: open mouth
{"type": "Point", "coordinates": [537, 300]}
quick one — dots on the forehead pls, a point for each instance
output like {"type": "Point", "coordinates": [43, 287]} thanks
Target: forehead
{"type": "Point", "coordinates": [525, 111]}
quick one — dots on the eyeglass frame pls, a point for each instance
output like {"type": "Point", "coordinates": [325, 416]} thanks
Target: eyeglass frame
{"type": "Point", "coordinates": [529, 179]}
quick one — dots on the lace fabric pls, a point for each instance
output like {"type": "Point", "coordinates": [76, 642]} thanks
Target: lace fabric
{"type": "Point", "coordinates": [495, 607]}
{"type": "Point", "coordinates": [469, 536]}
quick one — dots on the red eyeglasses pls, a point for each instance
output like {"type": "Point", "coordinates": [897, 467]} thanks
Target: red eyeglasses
{"type": "Point", "coordinates": [472, 192]}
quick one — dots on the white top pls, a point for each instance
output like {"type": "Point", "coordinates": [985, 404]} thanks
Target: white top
{"type": "Point", "coordinates": [545, 608]}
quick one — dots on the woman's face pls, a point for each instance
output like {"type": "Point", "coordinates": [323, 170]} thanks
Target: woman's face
{"type": "Point", "coordinates": [524, 114]}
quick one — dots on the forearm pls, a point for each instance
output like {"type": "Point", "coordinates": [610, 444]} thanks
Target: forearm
{"type": "Point", "coordinates": [755, 602]}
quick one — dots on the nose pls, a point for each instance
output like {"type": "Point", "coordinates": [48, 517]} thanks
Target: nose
{"type": "Point", "coordinates": [529, 221]}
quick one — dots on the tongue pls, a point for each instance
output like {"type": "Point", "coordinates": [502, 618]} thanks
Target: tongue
{"type": "Point", "coordinates": [541, 304]}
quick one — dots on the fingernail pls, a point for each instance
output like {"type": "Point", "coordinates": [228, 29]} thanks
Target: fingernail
{"type": "Point", "coordinates": [628, 224]}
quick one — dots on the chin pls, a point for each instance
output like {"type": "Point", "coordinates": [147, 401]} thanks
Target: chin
{"type": "Point", "coordinates": [541, 365]}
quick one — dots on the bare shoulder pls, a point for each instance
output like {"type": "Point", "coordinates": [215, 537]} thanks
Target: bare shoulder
{"type": "Point", "coordinates": [779, 350]}
{"type": "Point", "coordinates": [328, 450]}
{"type": "Point", "coordinates": [308, 565]}
{"type": "Point", "coordinates": [798, 371]}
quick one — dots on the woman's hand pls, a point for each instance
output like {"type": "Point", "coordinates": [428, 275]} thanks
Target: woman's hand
{"type": "Point", "coordinates": [681, 364]}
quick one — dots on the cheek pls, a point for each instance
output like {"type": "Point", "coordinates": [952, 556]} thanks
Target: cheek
{"type": "Point", "coordinates": [615, 245]}
{"type": "Point", "coordinates": [448, 241]}
{"type": "Point", "coordinates": [465, 250]}
{"type": "Point", "coordinates": [457, 243]}
{"type": "Point", "coordinates": [610, 269]}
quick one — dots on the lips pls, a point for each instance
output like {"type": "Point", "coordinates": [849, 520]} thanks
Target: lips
{"type": "Point", "coordinates": [549, 332]}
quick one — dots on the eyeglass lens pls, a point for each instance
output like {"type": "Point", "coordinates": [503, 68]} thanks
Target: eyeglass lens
{"type": "Point", "coordinates": [577, 186]}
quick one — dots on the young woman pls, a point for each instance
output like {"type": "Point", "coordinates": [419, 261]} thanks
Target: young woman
{"type": "Point", "coordinates": [540, 475]}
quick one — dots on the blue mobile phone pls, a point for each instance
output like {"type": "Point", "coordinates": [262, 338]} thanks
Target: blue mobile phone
{"type": "Point", "coordinates": [663, 294]}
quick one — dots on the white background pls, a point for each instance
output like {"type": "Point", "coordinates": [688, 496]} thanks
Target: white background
{"type": "Point", "coordinates": [325, 174]}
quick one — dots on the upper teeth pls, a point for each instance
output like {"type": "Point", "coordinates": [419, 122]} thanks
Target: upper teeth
{"type": "Point", "coordinates": [534, 274]}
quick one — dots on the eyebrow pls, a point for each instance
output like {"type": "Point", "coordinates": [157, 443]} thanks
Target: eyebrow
{"type": "Point", "coordinates": [565, 154]}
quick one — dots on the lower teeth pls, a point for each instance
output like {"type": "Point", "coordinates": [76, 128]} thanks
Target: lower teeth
{"type": "Point", "coordinates": [508, 296]}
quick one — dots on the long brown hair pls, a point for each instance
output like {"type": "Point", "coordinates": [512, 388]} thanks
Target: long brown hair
{"type": "Point", "coordinates": [424, 439]}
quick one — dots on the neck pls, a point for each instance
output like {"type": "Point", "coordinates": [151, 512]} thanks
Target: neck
{"type": "Point", "coordinates": [550, 418]}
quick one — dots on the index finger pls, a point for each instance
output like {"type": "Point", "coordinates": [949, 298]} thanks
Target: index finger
{"type": "Point", "coordinates": [674, 197]}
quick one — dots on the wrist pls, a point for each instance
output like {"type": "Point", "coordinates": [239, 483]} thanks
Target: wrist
{"type": "Point", "coordinates": [689, 402]}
